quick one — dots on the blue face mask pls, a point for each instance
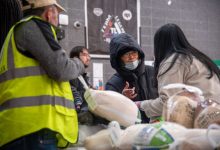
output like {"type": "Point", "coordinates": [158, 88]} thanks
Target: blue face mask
{"type": "Point", "coordinates": [131, 65]}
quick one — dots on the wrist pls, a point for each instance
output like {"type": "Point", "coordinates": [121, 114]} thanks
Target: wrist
{"type": "Point", "coordinates": [138, 103]}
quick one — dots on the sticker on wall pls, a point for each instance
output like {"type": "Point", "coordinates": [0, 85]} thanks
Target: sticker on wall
{"type": "Point", "coordinates": [149, 63]}
{"type": "Point", "coordinates": [127, 15]}
{"type": "Point", "coordinates": [98, 11]}
{"type": "Point", "coordinates": [111, 27]}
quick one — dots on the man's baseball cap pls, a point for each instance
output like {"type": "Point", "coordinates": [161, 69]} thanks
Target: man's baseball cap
{"type": "Point", "coordinates": [32, 4]}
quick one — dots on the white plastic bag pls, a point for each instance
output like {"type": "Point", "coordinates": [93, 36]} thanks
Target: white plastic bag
{"type": "Point", "coordinates": [158, 135]}
{"type": "Point", "coordinates": [144, 135]}
{"type": "Point", "coordinates": [85, 131]}
{"type": "Point", "coordinates": [214, 140]}
{"type": "Point", "coordinates": [99, 141]}
{"type": "Point", "coordinates": [105, 139]}
{"type": "Point", "coordinates": [197, 139]}
{"type": "Point", "coordinates": [112, 106]}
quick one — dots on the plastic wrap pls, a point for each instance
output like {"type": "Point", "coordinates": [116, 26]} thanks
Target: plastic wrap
{"type": "Point", "coordinates": [180, 107]}
{"type": "Point", "coordinates": [163, 135]}
{"type": "Point", "coordinates": [111, 105]}
{"type": "Point", "coordinates": [207, 112]}
{"type": "Point", "coordinates": [198, 139]}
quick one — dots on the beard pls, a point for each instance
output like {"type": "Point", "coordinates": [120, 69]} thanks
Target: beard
{"type": "Point", "coordinates": [86, 66]}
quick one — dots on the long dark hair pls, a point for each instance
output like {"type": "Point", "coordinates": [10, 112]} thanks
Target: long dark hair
{"type": "Point", "coordinates": [11, 12]}
{"type": "Point", "coordinates": [170, 39]}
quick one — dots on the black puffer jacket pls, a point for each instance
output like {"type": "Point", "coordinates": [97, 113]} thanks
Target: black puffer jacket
{"type": "Point", "coordinates": [142, 78]}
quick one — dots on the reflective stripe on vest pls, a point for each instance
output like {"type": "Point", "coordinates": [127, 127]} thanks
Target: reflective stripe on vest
{"type": "Point", "coordinates": [36, 101]}
{"type": "Point", "coordinates": [21, 72]}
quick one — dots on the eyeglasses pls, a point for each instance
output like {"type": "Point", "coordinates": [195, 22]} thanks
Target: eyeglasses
{"type": "Point", "coordinates": [85, 55]}
{"type": "Point", "coordinates": [130, 53]}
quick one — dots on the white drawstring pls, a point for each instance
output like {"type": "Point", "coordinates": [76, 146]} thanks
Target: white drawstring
{"type": "Point", "coordinates": [81, 79]}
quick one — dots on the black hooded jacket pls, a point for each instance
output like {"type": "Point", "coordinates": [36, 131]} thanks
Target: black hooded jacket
{"type": "Point", "coordinates": [142, 78]}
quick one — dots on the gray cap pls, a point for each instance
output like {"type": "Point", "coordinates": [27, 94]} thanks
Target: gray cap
{"type": "Point", "coordinates": [42, 3]}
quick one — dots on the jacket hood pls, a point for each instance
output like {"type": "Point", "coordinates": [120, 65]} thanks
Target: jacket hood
{"type": "Point", "coordinates": [119, 45]}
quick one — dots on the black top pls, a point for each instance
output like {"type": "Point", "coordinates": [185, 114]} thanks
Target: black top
{"type": "Point", "coordinates": [142, 78]}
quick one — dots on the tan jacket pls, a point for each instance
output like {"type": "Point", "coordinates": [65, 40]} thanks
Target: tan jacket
{"type": "Point", "coordinates": [194, 74]}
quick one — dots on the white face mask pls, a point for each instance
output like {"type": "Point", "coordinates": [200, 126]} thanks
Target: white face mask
{"type": "Point", "coordinates": [131, 65]}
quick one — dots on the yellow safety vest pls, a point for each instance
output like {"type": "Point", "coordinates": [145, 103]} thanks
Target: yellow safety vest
{"type": "Point", "coordinates": [30, 100]}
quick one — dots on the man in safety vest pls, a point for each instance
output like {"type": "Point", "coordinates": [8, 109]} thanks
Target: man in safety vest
{"type": "Point", "coordinates": [36, 103]}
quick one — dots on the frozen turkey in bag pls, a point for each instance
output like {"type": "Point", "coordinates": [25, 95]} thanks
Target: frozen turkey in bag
{"type": "Point", "coordinates": [112, 106]}
{"type": "Point", "coordinates": [180, 107]}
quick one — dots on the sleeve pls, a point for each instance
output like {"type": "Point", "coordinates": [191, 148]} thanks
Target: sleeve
{"type": "Point", "coordinates": [77, 97]}
{"type": "Point", "coordinates": [115, 83]}
{"type": "Point", "coordinates": [57, 64]}
{"type": "Point", "coordinates": [110, 87]}
{"type": "Point", "coordinates": [154, 107]}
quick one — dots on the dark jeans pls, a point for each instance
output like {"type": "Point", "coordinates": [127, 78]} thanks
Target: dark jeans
{"type": "Point", "coordinates": [42, 140]}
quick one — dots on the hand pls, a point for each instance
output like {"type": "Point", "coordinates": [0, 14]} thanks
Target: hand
{"type": "Point", "coordinates": [129, 92]}
{"type": "Point", "coordinates": [78, 107]}
{"type": "Point", "coordinates": [138, 103]}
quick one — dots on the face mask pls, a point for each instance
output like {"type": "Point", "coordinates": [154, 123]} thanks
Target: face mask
{"type": "Point", "coordinates": [131, 65]}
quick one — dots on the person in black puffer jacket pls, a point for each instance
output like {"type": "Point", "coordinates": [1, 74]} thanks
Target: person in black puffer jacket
{"type": "Point", "coordinates": [132, 78]}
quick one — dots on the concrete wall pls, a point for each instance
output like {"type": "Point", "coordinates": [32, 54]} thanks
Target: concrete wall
{"type": "Point", "coordinates": [199, 20]}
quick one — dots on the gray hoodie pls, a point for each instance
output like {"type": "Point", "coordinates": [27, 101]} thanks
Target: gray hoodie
{"type": "Point", "coordinates": [57, 64]}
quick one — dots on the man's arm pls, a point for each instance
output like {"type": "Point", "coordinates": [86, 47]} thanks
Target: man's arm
{"type": "Point", "coordinates": [56, 63]}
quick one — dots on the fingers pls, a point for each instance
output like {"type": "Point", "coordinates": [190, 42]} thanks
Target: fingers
{"type": "Point", "coordinates": [126, 85]}
{"type": "Point", "coordinates": [130, 93]}
{"type": "Point", "coordinates": [133, 96]}
{"type": "Point", "coordinates": [126, 88]}
{"type": "Point", "coordinates": [133, 90]}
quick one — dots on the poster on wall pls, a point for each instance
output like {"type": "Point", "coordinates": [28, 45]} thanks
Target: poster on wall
{"type": "Point", "coordinates": [106, 18]}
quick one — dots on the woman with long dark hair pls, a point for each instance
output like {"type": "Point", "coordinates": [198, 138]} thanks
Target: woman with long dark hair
{"type": "Point", "coordinates": [11, 12]}
{"type": "Point", "coordinates": [177, 61]}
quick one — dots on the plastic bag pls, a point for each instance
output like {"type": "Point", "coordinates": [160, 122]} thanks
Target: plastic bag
{"type": "Point", "coordinates": [85, 131]}
{"type": "Point", "coordinates": [163, 135]}
{"type": "Point", "coordinates": [180, 107]}
{"type": "Point", "coordinates": [105, 139]}
{"type": "Point", "coordinates": [198, 139]}
{"type": "Point", "coordinates": [112, 106]}
{"type": "Point", "coordinates": [214, 141]}
{"type": "Point", "coordinates": [139, 135]}
{"type": "Point", "coordinates": [99, 141]}
{"type": "Point", "coordinates": [207, 112]}
{"type": "Point", "coordinates": [158, 135]}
